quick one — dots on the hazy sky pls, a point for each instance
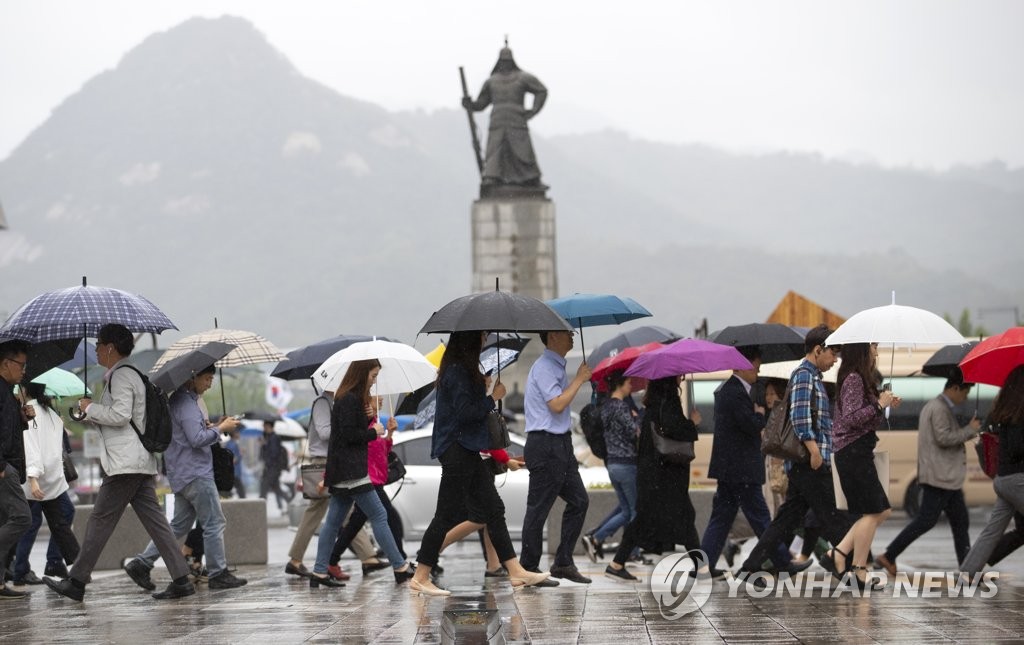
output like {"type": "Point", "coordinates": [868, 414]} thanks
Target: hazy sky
{"type": "Point", "coordinates": [928, 82]}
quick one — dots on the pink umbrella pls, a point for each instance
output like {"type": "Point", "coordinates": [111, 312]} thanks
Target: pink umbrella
{"type": "Point", "coordinates": [687, 356]}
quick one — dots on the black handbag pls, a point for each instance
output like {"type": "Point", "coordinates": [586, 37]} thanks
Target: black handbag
{"type": "Point", "coordinates": [497, 431]}
{"type": "Point", "coordinates": [223, 467]}
{"type": "Point", "coordinates": [671, 451]}
{"type": "Point", "coordinates": [396, 469]}
{"type": "Point", "coordinates": [70, 472]}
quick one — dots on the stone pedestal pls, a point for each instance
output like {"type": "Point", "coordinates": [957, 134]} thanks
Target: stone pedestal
{"type": "Point", "coordinates": [514, 241]}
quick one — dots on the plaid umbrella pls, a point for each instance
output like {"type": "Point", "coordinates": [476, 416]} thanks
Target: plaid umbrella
{"type": "Point", "coordinates": [250, 348]}
{"type": "Point", "coordinates": [81, 311]}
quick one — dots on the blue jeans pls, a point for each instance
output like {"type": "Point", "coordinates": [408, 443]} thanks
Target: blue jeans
{"type": "Point", "coordinates": [623, 478]}
{"type": "Point", "coordinates": [53, 553]}
{"type": "Point", "coordinates": [198, 500]}
{"type": "Point", "coordinates": [370, 505]}
{"type": "Point", "coordinates": [729, 498]}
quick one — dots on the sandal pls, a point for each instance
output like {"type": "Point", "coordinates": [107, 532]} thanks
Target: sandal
{"type": "Point", "coordinates": [828, 562]}
{"type": "Point", "coordinates": [874, 585]}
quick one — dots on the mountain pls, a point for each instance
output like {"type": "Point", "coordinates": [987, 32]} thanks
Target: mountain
{"type": "Point", "coordinates": [208, 174]}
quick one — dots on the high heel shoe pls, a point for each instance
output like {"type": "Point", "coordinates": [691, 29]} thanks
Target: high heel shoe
{"type": "Point", "coordinates": [415, 585]}
{"type": "Point", "coordinates": [828, 562]}
{"type": "Point", "coordinates": [874, 585]}
{"type": "Point", "coordinates": [315, 581]}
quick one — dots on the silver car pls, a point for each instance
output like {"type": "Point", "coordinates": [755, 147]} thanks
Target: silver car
{"type": "Point", "coordinates": [415, 498]}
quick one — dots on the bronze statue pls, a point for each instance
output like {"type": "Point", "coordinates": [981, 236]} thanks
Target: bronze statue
{"type": "Point", "coordinates": [509, 166]}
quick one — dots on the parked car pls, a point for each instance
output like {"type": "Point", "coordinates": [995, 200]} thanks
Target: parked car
{"type": "Point", "coordinates": [415, 497]}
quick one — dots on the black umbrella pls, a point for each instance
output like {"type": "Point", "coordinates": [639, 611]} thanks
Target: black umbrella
{"type": "Point", "coordinates": [776, 342]}
{"type": "Point", "coordinates": [302, 362]}
{"type": "Point", "coordinates": [44, 356]}
{"type": "Point", "coordinates": [495, 311]}
{"type": "Point", "coordinates": [946, 362]}
{"type": "Point", "coordinates": [631, 338]}
{"type": "Point", "coordinates": [177, 371]}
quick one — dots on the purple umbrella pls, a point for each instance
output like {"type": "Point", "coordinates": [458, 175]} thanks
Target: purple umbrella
{"type": "Point", "coordinates": [687, 356]}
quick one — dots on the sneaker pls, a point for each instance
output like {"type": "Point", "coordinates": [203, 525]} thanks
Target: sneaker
{"type": "Point", "coordinates": [570, 573]}
{"type": "Point", "coordinates": [56, 570]}
{"type": "Point", "coordinates": [225, 580]}
{"type": "Point", "coordinates": [620, 574]}
{"type": "Point", "coordinates": [592, 547]}
{"type": "Point", "coordinates": [138, 572]}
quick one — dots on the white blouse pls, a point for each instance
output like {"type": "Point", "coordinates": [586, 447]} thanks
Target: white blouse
{"type": "Point", "coordinates": [44, 453]}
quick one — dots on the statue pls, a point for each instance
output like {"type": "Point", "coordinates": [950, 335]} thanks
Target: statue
{"type": "Point", "coordinates": [509, 166]}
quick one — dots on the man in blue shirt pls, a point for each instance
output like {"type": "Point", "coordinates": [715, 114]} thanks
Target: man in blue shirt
{"type": "Point", "coordinates": [189, 464]}
{"type": "Point", "coordinates": [554, 471]}
{"type": "Point", "coordinates": [810, 484]}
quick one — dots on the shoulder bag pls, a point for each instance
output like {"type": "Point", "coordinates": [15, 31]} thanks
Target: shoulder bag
{"type": "Point", "coordinates": [779, 439]}
{"type": "Point", "coordinates": [671, 451]}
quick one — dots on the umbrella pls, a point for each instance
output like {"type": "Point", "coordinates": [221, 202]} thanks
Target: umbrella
{"type": "Point", "coordinates": [775, 342]}
{"type": "Point", "coordinates": [495, 311]}
{"type": "Point", "coordinates": [992, 360]}
{"type": "Point", "coordinates": [287, 428]}
{"type": "Point", "coordinates": [79, 312]}
{"type": "Point", "coordinates": [687, 356]}
{"type": "Point", "coordinates": [622, 360]}
{"type": "Point", "coordinates": [60, 382]}
{"type": "Point", "coordinates": [403, 369]}
{"type": "Point", "coordinates": [85, 354]}
{"type": "Point", "coordinates": [896, 325]}
{"type": "Point", "coordinates": [43, 356]}
{"type": "Point", "coordinates": [434, 355]}
{"type": "Point", "coordinates": [784, 369]}
{"type": "Point", "coordinates": [593, 310]}
{"type": "Point", "coordinates": [302, 362]}
{"type": "Point", "coordinates": [946, 362]}
{"type": "Point", "coordinates": [494, 359]}
{"type": "Point", "coordinates": [631, 338]}
{"type": "Point", "coordinates": [177, 371]}
{"type": "Point", "coordinates": [250, 349]}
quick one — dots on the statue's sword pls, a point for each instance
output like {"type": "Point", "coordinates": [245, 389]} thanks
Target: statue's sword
{"type": "Point", "coordinates": [472, 124]}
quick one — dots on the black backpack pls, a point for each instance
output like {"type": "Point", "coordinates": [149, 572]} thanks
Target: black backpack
{"type": "Point", "coordinates": [593, 430]}
{"type": "Point", "coordinates": [157, 434]}
{"type": "Point", "coordinates": [223, 467]}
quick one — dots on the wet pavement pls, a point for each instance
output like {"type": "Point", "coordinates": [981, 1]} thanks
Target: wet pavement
{"type": "Point", "coordinates": [275, 608]}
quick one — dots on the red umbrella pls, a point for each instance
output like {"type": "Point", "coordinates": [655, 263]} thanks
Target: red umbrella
{"type": "Point", "coordinates": [622, 361]}
{"type": "Point", "coordinates": [993, 358]}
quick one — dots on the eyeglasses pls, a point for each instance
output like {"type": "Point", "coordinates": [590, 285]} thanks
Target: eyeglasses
{"type": "Point", "coordinates": [835, 350]}
{"type": "Point", "coordinates": [20, 364]}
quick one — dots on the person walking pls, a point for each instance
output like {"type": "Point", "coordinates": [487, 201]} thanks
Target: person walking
{"type": "Point", "coordinates": [554, 471]}
{"type": "Point", "coordinates": [45, 488]}
{"type": "Point", "coordinates": [346, 474]}
{"type": "Point", "coordinates": [665, 515]}
{"type": "Point", "coordinates": [810, 483]}
{"type": "Point", "coordinates": [460, 434]}
{"type": "Point", "coordinates": [189, 465]}
{"type": "Point", "coordinates": [621, 430]}
{"type": "Point", "coordinates": [1007, 418]}
{"type": "Point", "coordinates": [14, 418]}
{"type": "Point", "coordinates": [859, 411]}
{"type": "Point", "coordinates": [941, 471]}
{"type": "Point", "coordinates": [275, 461]}
{"type": "Point", "coordinates": [130, 471]}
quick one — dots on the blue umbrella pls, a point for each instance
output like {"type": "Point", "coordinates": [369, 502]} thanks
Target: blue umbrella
{"type": "Point", "coordinates": [592, 310]}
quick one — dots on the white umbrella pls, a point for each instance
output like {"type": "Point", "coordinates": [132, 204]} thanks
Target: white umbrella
{"type": "Point", "coordinates": [286, 427]}
{"type": "Point", "coordinates": [402, 368]}
{"type": "Point", "coordinates": [898, 326]}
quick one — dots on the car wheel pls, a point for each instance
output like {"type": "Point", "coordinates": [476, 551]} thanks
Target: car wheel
{"type": "Point", "coordinates": [912, 500]}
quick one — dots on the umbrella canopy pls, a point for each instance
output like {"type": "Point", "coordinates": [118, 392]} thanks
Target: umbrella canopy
{"type": "Point", "coordinates": [592, 310]}
{"type": "Point", "coordinates": [85, 354]}
{"type": "Point", "coordinates": [302, 362]}
{"type": "Point", "coordinates": [622, 360]}
{"type": "Point", "coordinates": [896, 325]}
{"type": "Point", "coordinates": [494, 359]}
{"type": "Point", "coordinates": [43, 356]}
{"type": "Point", "coordinates": [177, 371]}
{"type": "Point", "coordinates": [60, 382]}
{"type": "Point", "coordinates": [775, 342]}
{"type": "Point", "coordinates": [946, 362]}
{"type": "Point", "coordinates": [495, 311]}
{"type": "Point", "coordinates": [250, 348]}
{"type": "Point", "coordinates": [403, 369]}
{"type": "Point", "coordinates": [687, 356]}
{"type": "Point", "coordinates": [784, 369]}
{"type": "Point", "coordinates": [631, 338]}
{"type": "Point", "coordinates": [434, 355]}
{"type": "Point", "coordinates": [286, 428]}
{"type": "Point", "coordinates": [81, 311]}
{"type": "Point", "coordinates": [992, 360]}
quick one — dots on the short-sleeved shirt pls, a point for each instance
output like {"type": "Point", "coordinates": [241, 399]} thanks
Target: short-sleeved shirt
{"type": "Point", "coordinates": [547, 380]}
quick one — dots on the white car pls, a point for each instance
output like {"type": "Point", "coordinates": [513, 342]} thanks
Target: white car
{"type": "Point", "coordinates": [415, 499]}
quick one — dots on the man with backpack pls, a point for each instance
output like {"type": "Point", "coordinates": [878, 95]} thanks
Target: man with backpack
{"type": "Point", "coordinates": [189, 465]}
{"type": "Point", "coordinates": [120, 415]}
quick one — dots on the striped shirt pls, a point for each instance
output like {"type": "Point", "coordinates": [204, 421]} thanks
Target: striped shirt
{"type": "Point", "coordinates": [806, 386]}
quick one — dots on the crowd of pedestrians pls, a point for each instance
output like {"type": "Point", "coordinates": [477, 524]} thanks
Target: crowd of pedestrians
{"type": "Point", "coordinates": [348, 446]}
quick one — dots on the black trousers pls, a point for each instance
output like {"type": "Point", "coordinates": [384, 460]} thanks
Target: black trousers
{"type": "Point", "coordinates": [934, 501]}
{"type": "Point", "coordinates": [464, 492]}
{"type": "Point", "coordinates": [809, 489]}
{"type": "Point", "coordinates": [554, 473]}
